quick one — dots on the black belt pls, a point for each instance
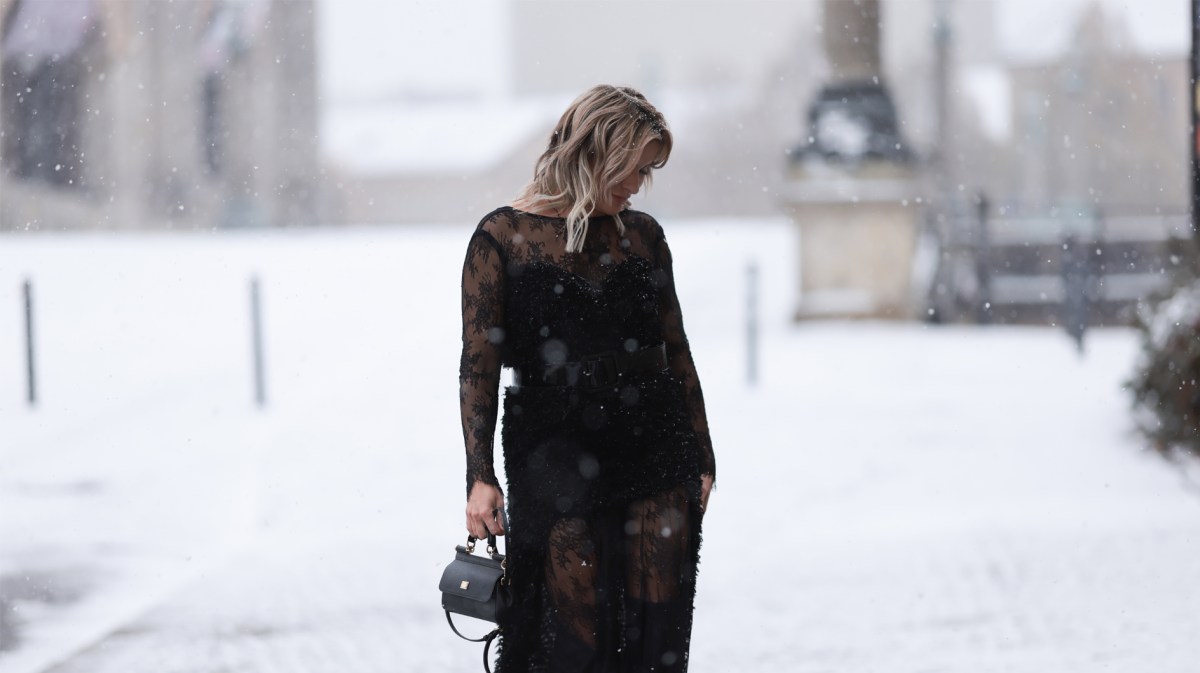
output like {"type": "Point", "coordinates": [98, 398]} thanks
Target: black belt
{"type": "Point", "coordinates": [594, 371]}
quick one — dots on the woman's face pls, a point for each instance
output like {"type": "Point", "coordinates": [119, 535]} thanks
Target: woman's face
{"type": "Point", "coordinates": [618, 199]}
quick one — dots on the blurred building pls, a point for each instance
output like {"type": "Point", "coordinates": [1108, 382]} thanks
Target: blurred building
{"type": "Point", "coordinates": [734, 80]}
{"type": "Point", "coordinates": [1100, 125]}
{"type": "Point", "coordinates": [146, 113]}
{"type": "Point", "coordinates": [133, 114]}
{"type": "Point", "coordinates": [431, 160]}
{"type": "Point", "coordinates": [731, 78]}
{"type": "Point", "coordinates": [1091, 155]}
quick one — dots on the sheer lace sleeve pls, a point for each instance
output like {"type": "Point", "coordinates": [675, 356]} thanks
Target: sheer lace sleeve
{"type": "Point", "coordinates": [679, 353]}
{"type": "Point", "coordinates": [479, 367]}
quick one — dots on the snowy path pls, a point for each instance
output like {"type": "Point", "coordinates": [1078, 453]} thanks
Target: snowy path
{"type": "Point", "coordinates": [892, 497]}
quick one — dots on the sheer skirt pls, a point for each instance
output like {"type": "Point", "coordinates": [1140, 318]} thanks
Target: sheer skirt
{"type": "Point", "coordinates": [604, 568]}
{"type": "Point", "coordinates": [613, 592]}
{"type": "Point", "coordinates": [620, 588]}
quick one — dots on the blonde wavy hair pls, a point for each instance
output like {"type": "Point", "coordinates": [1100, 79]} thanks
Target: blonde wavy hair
{"type": "Point", "coordinates": [595, 145]}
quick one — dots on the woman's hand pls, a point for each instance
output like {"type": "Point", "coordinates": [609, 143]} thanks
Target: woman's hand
{"type": "Point", "coordinates": [706, 486]}
{"type": "Point", "coordinates": [484, 506]}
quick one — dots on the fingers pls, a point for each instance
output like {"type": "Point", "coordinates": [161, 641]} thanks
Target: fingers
{"type": "Point", "coordinates": [499, 518]}
{"type": "Point", "coordinates": [478, 530]}
{"type": "Point", "coordinates": [477, 524]}
{"type": "Point", "coordinates": [485, 514]}
{"type": "Point", "coordinates": [496, 523]}
{"type": "Point", "coordinates": [482, 526]}
{"type": "Point", "coordinates": [475, 521]}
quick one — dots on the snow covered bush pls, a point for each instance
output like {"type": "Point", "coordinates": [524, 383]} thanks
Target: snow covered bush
{"type": "Point", "coordinates": [1166, 381]}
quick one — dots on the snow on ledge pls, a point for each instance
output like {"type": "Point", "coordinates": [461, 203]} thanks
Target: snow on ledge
{"type": "Point", "coordinates": [445, 136]}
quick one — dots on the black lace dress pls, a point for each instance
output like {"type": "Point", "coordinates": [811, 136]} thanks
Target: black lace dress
{"type": "Point", "coordinates": [603, 483]}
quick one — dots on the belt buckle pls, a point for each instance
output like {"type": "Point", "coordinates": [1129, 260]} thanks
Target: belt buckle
{"type": "Point", "coordinates": [599, 369]}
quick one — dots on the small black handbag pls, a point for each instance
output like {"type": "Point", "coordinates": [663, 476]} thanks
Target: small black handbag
{"type": "Point", "coordinates": [477, 586]}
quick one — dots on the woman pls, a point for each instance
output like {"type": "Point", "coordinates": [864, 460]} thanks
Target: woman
{"type": "Point", "coordinates": [606, 444]}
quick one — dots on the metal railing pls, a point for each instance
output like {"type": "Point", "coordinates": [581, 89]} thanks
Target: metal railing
{"type": "Point", "coordinates": [1076, 270]}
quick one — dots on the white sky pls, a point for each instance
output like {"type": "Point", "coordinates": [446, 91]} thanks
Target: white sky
{"type": "Point", "coordinates": [371, 49]}
{"type": "Point", "coordinates": [1033, 29]}
{"type": "Point", "coordinates": [380, 48]}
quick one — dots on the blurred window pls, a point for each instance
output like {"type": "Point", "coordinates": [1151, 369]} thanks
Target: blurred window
{"type": "Point", "coordinates": [44, 46]}
{"type": "Point", "coordinates": [228, 37]}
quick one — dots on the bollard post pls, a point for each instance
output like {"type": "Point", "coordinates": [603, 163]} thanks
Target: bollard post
{"type": "Point", "coordinates": [30, 370]}
{"type": "Point", "coordinates": [983, 262]}
{"type": "Point", "coordinates": [752, 324]}
{"type": "Point", "coordinates": [1075, 277]}
{"type": "Point", "coordinates": [260, 387]}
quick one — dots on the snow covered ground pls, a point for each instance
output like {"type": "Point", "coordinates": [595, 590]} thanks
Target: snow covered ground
{"type": "Point", "coordinates": [891, 497]}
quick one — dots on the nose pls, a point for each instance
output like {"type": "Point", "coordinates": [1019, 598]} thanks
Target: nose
{"type": "Point", "coordinates": [633, 183]}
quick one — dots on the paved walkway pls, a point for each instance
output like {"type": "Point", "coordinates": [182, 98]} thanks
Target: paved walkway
{"type": "Point", "coordinates": [871, 538]}
{"type": "Point", "coordinates": [891, 498]}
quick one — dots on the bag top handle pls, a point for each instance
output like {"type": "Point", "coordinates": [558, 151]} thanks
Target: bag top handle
{"type": "Point", "coordinates": [493, 547]}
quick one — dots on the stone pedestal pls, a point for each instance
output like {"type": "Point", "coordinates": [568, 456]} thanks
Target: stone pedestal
{"type": "Point", "coordinates": [858, 237]}
{"type": "Point", "coordinates": [852, 189]}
